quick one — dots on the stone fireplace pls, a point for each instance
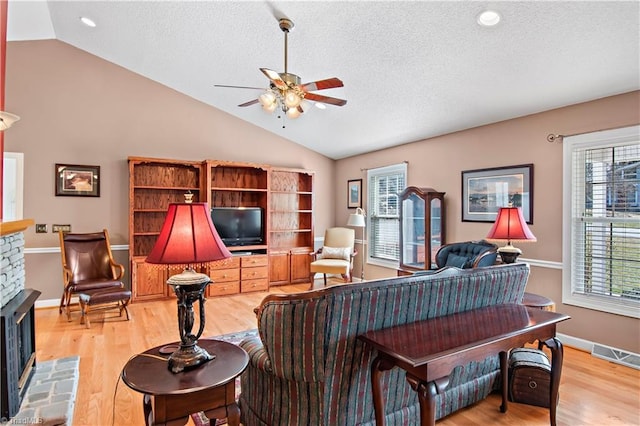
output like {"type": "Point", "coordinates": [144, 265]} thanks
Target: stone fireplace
{"type": "Point", "coordinates": [18, 354]}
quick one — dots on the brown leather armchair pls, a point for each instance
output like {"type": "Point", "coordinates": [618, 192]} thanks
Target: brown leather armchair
{"type": "Point", "coordinates": [87, 265]}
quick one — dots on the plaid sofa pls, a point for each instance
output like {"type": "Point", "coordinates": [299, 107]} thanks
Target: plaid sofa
{"type": "Point", "coordinates": [307, 367]}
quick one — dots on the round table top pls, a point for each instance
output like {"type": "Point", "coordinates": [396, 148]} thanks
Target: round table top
{"type": "Point", "coordinates": [535, 300]}
{"type": "Point", "coordinates": [148, 372]}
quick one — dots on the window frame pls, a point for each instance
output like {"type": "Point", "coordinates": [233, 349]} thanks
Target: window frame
{"type": "Point", "coordinates": [602, 139]}
{"type": "Point", "coordinates": [398, 169]}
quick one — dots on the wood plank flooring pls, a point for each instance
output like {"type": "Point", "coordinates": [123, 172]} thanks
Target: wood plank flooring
{"type": "Point", "coordinates": [592, 391]}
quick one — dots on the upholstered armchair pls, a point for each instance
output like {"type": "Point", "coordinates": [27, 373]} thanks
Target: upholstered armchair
{"type": "Point", "coordinates": [87, 265]}
{"type": "Point", "coordinates": [336, 256]}
{"type": "Point", "coordinates": [467, 254]}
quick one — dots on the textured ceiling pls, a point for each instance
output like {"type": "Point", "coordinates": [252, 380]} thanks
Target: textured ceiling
{"type": "Point", "coordinates": [411, 70]}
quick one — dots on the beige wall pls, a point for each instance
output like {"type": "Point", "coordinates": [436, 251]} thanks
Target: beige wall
{"type": "Point", "coordinates": [438, 163]}
{"type": "Point", "coordinates": [78, 109]}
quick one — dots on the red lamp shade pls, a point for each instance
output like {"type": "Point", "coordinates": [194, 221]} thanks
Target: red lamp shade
{"type": "Point", "coordinates": [511, 226]}
{"type": "Point", "coordinates": [188, 236]}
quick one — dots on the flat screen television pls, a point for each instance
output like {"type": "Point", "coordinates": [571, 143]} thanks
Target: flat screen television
{"type": "Point", "coordinates": [238, 226]}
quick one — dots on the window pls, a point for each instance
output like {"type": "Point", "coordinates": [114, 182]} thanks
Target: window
{"type": "Point", "coordinates": [384, 186]}
{"type": "Point", "coordinates": [602, 221]}
{"type": "Point", "coordinates": [12, 186]}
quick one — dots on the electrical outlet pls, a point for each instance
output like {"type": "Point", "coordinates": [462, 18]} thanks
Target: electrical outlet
{"type": "Point", "coordinates": [63, 228]}
{"type": "Point", "coordinates": [41, 228]}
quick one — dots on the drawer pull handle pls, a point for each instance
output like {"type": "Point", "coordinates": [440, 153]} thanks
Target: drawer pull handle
{"type": "Point", "coordinates": [533, 384]}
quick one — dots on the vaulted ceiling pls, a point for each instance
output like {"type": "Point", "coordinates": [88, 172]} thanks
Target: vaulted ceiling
{"type": "Point", "coordinates": [411, 70]}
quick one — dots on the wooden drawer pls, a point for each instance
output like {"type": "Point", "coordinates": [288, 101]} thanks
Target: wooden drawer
{"type": "Point", "coordinates": [224, 275]}
{"type": "Point", "coordinates": [223, 288]}
{"type": "Point", "coordinates": [255, 285]}
{"type": "Point", "coordinates": [254, 273]}
{"type": "Point", "coordinates": [254, 261]}
{"type": "Point", "coordinates": [229, 263]}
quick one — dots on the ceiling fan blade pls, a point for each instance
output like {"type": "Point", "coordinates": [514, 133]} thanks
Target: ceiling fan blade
{"type": "Point", "coordinates": [325, 99]}
{"type": "Point", "coordinates": [252, 102]}
{"type": "Point", "coordinates": [275, 78]}
{"type": "Point", "coordinates": [239, 87]}
{"type": "Point", "coordinates": [329, 83]}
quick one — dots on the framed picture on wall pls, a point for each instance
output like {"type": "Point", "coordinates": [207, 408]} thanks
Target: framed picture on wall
{"type": "Point", "coordinates": [77, 180]}
{"type": "Point", "coordinates": [354, 193]}
{"type": "Point", "coordinates": [484, 191]}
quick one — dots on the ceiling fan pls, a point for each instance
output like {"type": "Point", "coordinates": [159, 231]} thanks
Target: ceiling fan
{"type": "Point", "coordinates": [285, 92]}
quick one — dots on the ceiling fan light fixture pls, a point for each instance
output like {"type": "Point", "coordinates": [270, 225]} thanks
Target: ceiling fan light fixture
{"type": "Point", "coordinates": [292, 99]}
{"type": "Point", "coordinates": [270, 107]}
{"type": "Point", "coordinates": [293, 113]}
{"type": "Point", "coordinates": [267, 98]}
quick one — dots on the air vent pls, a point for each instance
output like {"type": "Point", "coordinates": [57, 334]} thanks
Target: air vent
{"type": "Point", "coordinates": [616, 355]}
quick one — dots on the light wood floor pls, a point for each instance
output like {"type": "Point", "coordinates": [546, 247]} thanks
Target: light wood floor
{"type": "Point", "coordinates": [592, 391]}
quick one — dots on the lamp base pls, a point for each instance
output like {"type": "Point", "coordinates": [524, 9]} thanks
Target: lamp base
{"type": "Point", "coordinates": [508, 257]}
{"type": "Point", "coordinates": [509, 253]}
{"type": "Point", "coordinates": [188, 357]}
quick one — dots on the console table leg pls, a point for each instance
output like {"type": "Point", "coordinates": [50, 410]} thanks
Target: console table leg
{"type": "Point", "coordinates": [427, 398]}
{"type": "Point", "coordinates": [377, 367]}
{"type": "Point", "coordinates": [504, 372]}
{"type": "Point", "coordinates": [557, 355]}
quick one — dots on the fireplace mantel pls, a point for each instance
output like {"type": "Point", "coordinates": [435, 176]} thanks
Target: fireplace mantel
{"type": "Point", "coordinates": [7, 228]}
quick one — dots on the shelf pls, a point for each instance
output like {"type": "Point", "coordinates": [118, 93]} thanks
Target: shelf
{"type": "Point", "coordinates": [167, 188]}
{"type": "Point", "coordinates": [289, 230]}
{"type": "Point", "coordinates": [292, 192]}
{"type": "Point", "coordinates": [239, 189]}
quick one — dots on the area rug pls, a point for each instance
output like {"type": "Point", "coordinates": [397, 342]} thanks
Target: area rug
{"type": "Point", "coordinates": [199, 419]}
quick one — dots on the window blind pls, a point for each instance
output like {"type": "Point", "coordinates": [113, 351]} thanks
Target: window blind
{"type": "Point", "coordinates": [604, 223]}
{"type": "Point", "coordinates": [384, 186]}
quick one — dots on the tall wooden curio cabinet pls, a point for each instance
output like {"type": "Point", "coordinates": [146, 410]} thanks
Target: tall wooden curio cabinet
{"type": "Point", "coordinates": [422, 227]}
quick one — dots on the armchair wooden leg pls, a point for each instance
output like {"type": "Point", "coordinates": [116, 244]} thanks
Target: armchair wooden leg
{"type": "Point", "coordinates": [61, 303]}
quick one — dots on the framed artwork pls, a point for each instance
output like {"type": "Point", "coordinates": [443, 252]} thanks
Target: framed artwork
{"type": "Point", "coordinates": [484, 191]}
{"type": "Point", "coordinates": [77, 180]}
{"type": "Point", "coordinates": [354, 193]}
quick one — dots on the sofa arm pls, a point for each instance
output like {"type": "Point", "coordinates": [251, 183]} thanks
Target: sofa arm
{"type": "Point", "coordinates": [258, 356]}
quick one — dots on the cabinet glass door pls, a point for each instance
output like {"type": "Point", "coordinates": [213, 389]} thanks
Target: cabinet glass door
{"type": "Point", "coordinates": [413, 230]}
{"type": "Point", "coordinates": [422, 228]}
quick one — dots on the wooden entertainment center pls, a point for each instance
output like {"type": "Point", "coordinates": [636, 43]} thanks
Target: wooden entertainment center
{"type": "Point", "coordinates": [285, 196]}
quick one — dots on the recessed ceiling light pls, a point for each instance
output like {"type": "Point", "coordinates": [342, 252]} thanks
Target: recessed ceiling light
{"type": "Point", "coordinates": [88, 22]}
{"type": "Point", "coordinates": [320, 106]}
{"type": "Point", "coordinates": [488, 18]}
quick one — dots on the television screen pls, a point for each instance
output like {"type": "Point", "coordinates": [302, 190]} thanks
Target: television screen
{"type": "Point", "coordinates": [238, 226]}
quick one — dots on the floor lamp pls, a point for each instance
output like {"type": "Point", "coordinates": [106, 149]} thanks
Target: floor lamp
{"type": "Point", "coordinates": [357, 220]}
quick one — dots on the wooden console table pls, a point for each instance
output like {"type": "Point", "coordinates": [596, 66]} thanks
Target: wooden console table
{"type": "Point", "coordinates": [430, 350]}
{"type": "Point", "coordinates": [170, 398]}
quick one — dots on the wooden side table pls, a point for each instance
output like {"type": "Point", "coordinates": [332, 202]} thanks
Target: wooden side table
{"type": "Point", "coordinates": [170, 397]}
{"type": "Point", "coordinates": [536, 301]}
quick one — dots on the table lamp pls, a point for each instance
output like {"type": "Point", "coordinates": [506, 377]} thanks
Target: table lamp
{"type": "Point", "coordinates": [188, 237]}
{"type": "Point", "coordinates": [357, 220]}
{"type": "Point", "coordinates": [510, 225]}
